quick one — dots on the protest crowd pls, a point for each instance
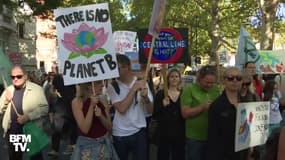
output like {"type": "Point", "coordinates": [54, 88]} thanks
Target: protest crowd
{"type": "Point", "coordinates": [121, 118]}
{"type": "Point", "coordinates": [107, 110]}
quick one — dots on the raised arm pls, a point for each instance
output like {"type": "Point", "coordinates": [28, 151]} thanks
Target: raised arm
{"type": "Point", "coordinates": [84, 123]}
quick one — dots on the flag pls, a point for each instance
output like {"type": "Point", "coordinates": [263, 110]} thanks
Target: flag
{"type": "Point", "coordinates": [247, 51]}
{"type": "Point", "coordinates": [5, 69]}
{"type": "Point", "coordinates": [156, 16]}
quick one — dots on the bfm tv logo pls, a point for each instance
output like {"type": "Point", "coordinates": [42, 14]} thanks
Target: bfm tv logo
{"type": "Point", "coordinates": [20, 141]}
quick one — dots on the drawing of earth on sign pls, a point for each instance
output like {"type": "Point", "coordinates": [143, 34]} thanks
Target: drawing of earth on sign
{"type": "Point", "coordinates": [244, 128]}
{"type": "Point", "coordinates": [168, 46]}
{"type": "Point", "coordinates": [85, 41]}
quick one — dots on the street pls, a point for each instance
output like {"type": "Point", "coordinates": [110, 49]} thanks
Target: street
{"type": "Point", "coordinates": [62, 156]}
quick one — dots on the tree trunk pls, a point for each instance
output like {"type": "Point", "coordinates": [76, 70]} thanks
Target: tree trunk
{"type": "Point", "coordinates": [268, 9]}
{"type": "Point", "coordinates": [215, 35]}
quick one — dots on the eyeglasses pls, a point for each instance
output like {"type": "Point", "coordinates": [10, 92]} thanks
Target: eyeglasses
{"type": "Point", "coordinates": [17, 76]}
{"type": "Point", "coordinates": [246, 83]}
{"type": "Point", "coordinates": [232, 78]}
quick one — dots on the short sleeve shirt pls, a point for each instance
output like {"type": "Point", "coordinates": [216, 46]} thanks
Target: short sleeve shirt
{"type": "Point", "coordinates": [192, 96]}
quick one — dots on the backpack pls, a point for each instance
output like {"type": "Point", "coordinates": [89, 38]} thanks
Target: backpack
{"type": "Point", "coordinates": [116, 87]}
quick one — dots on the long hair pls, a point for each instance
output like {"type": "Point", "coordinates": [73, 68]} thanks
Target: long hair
{"type": "Point", "coordinates": [84, 90]}
{"type": "Point", "coordinates": [172, 70]}
{"type": "Point", "coordinates": [268, 90]}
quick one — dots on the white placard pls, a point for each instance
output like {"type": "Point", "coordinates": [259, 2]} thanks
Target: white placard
{"type": "Point", "coordinates": [252, 124]}
{"type": "Point", "coordinates": [86, 46]}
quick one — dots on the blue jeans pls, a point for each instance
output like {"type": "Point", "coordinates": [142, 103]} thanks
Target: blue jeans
{"type": "Point", "coordinates": [135, 144]}
{"type": "Point", "coordinates": [196, 150]}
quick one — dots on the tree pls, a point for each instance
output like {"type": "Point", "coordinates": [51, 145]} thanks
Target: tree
{"type": "Point", "coordinates": [211, 23]}
{"type": "Point", "coordinates": [44, 8]}
{"type": "Point", "coordinates": [268, 12]}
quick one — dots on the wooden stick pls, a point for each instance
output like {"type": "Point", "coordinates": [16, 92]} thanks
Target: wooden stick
{"type": "Point", "coordinates": [93, 91]}
{"type": "Point", "coordinates": [14, 107]}
{"type": "Point", "coordinates": [149, 56]}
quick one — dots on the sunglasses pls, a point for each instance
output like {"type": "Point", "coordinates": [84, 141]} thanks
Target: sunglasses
{"type": "Point", "coordinates": [246, 83]}
{"type": "Point", "coordinates": [17, 76]}
{"type": "Point", "coordinates": [232, 78]}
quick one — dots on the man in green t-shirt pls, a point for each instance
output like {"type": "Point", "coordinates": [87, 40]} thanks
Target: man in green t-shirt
{"type": "Point", "coordinates": [195, 101]}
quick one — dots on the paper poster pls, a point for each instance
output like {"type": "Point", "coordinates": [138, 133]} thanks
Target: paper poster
{"type": "Point", "coordinates": [86, 46]}
{"type": "Point", "coordinates": [124, 41]}
{"type": "Point", "coordinates": [170, 46]}
{"type": "Point", "coordinates": [252, 124]}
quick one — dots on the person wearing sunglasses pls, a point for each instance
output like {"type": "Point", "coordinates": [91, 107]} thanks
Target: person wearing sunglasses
{"type": "Point", "coordinates": [247, 92]}
{"type": "Point", "coordinates": [195, 101]}
{"type": "Point", "coordinates": [23, 101]}
{"type": "Point", "coordinates": [222, 118]}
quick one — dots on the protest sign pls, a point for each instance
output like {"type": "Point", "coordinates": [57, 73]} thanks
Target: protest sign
{"type": "Point", "coordinates": [156, 17]}
{"type": "Point", "coordinates": [170, 46]}
{"type": "Point", "coordinates": [251, 124]}
{"type": "Point", "coordinates": [86, 46]}
{"type": "Point", "coordinates": [124, 41]}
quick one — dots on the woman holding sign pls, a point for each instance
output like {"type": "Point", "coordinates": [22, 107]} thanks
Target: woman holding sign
{"type": "Point", "coordinates": [222, 119]}
{"type": "Point", "coordinates": [93, 120]}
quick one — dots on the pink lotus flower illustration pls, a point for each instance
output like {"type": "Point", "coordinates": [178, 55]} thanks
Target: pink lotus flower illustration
{"type": "Point", "coordinates": [85, 41]}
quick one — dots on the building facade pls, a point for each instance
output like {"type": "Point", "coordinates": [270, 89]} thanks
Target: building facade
{"type": "Point", "coordinates": [8, 31]}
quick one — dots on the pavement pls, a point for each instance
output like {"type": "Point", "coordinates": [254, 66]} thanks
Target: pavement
{"type": "Point", "coordinates": [62, 154]}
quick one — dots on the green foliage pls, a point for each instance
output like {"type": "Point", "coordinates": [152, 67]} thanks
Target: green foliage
{"type": "Point", "coordinates": [201, 17]}
{"type": "Point", "coordinates": [118, 16]}
{"type": "Point", "coordinates": [196, 15]}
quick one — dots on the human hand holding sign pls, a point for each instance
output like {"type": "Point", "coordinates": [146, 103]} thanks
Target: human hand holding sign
{"type": "Point", "coordinates": [8, 97]}
{"type": "Point", "coordinates": [94, 99]}
{"type": "Point", "coordinates": [97, 111]}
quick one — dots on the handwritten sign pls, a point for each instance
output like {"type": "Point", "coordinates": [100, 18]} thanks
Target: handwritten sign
{"type": "Point", "coordinates": [252, 124]}
{"type": "Point", "coordinates": [170, 46]}
{"type": "Point", "coordinates": [86, 46]}
{"type": "Point", "coordinates": [124, 41]}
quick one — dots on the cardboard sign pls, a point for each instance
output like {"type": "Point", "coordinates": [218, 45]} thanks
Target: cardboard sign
{"type": "Point", "coordinates": [171, 46]}
{"type": "Point", "coordinates": [86, 46]}
{"type": "Point", "coordinates": [124, 41]}
{"type": "Point", "coordinates": [252, 124]}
